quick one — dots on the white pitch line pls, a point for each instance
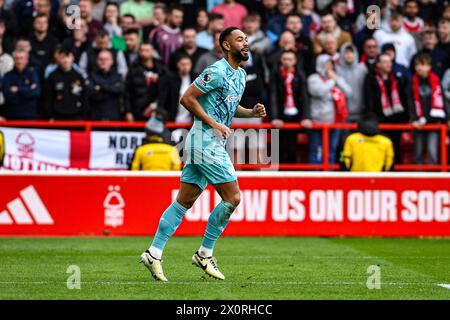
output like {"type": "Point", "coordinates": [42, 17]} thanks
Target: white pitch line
{"type": "Point", "coordinates": [229, 283]}
{"type": "Point", "coordinates": [444, 285]}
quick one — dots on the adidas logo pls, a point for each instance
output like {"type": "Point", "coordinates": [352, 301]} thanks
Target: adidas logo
{"type": "Point", "coordinates": [18, 209]}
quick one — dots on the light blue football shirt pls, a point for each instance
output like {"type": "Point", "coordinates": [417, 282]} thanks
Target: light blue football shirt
{"type": "Point", "coordinates": [223, 87]}
{"type": "Point", "coordinates": [207, 159]}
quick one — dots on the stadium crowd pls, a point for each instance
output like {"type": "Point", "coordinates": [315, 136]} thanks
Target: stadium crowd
{"type": "Point", "coordinates": [320, 61]}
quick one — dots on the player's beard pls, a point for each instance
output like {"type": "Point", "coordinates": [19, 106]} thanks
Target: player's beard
{"type": "Point", "coordinates": [239, 56]}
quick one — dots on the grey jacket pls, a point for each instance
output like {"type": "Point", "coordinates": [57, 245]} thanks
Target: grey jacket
{"type": "Point", "coordinates": [445, 84]}
{"type": "Point", "coordinates": [354, 74]}
{"type": "Point", "coordinates": [260, 42]}
{"type": "Point", "coordinates": [205, 60]}
{"type": "Point", "coordinates": [321, 102]}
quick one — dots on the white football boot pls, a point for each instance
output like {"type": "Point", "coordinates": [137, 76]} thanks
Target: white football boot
{"type": "Point", "coordinates": [154, 266]}
{"type": "Point", "coordinates": [209, 265]}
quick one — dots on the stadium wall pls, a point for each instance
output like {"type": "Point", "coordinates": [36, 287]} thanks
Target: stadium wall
{"type": "Point", "coordinates": [272, 203]}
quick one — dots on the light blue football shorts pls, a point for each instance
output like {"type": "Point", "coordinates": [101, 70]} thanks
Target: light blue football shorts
{"type": "Point", "coordinates": [207, 162]}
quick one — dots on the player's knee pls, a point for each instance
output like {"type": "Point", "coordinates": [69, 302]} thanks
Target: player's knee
{"type": "Point", "coordinates": [187, 203]}
{"type": "Point", "coordinates": [234, 200]}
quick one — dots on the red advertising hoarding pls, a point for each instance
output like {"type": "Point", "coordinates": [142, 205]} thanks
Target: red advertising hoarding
{"type": "Point", "coordinates": [280, 203]}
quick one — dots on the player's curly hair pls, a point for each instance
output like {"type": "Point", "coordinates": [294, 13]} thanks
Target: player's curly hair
{"type": "Point", "coordinates": [224, 35]}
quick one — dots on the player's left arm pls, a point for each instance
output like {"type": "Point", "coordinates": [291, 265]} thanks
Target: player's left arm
{"type": "Point", "coordinates": [258, 111]}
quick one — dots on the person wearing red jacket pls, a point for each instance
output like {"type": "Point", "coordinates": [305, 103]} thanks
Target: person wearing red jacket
{"type": "Point", "coordinates": [428, 107]}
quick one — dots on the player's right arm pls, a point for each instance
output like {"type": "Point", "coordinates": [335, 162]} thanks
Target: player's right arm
{"type": "Point", "coordinates": [208, 80]}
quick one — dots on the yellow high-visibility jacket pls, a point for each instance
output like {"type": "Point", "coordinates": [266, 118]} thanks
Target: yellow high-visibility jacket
{"type": "Point", "coordinates": [2, 148]}
{"type": "Point", "coordinates": [368, 153]}
{"type": "Point", "coordinates": [154, 155]}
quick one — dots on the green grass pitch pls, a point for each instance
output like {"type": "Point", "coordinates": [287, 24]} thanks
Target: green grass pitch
{"type": "Point", "coordinates": [255, 268]}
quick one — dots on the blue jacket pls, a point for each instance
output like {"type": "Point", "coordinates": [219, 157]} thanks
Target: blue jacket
{"type": "Point", "coordinates": [21, 105]}
{"type": "Point", "coordinates": [275, 27]}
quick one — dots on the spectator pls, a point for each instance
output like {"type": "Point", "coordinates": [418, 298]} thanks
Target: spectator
{"type": "Point", "coordinates": [142, 10]}
{"type": "Point", "coordinates": [9, 22]}
{"type": "Point", "coordinates": [93, 25]}
{"type": "Point", "coordinates": [330, 47]}
{"type": "Point", "coordinates": [429, 10]}
{"type": "Point", "coordinates": [146, 85]}
{"type": "Point", "coordinates": [411, 22]}
{"type": "Point", "coordinates": [21, 89]}
{"type": "Point", "coordinates": [128, 22]}
{"type": "Point", "coordinates": [368, 149]}
{"type": "Point", "coordinates": [180, 81]}
{"type": "Point", "coordinates": [106, 89]}
{"type": "Point", "coordinates": [111, 23]}
{"type": "Point", "coordinates": [444, 35]}
{"type": "Point", "coordinates": [56, 57]}
{"type": "Point", "coordinates": [65, 91]}
{"type": "Point", "coordinates": [205, 39]}
{"type": "Point", "coordinates": [288, 103]}
{"type": "Point", "coordinates": [201, 20]}
{"type": "Point", "coordinates": [99, 8]}
{"type": "Point", "coordinates": [354, 73]}
{"type": "Point", "coordinates": [370, 54]}
{"type": "Point", "coordinates": [446, 10]}
{"type": "Point", "coordinates": [25, 11]}
{"type": "Point", "coordinates": [446, 90]}
{"type": "Point", "coordinates": [168, 38]}
{"type": "Point", "coordinates": [440, 60]}
{"type": "Point", "coordinates": [132, 40]}
{"type": "Point", "coordinates": [79, 41]}
{"type": "Point", "coordinates": [2, 146]}
{"type": "Point", "coordinates": [188, 48]}
{"type": "Point", "coordinates": [286, 42]}
{"type": "Point", "coordinates": [23, 44]}
{"type": "Point", "coordinates": [88, 58]}
{"type": "Point", "coordinates": [323, 5]}
{"type": "Point", "coordinates": [400, 71]}
{"type": "Point", "coordinates": [233, 13]}
{"type": "Point", "coordinates": [387, 97]}
{"type": "Point", "coordinates": [158, 19]}
{"type": "Point", "coordinates": [340, 12]}
{"type": "Point", "coordinates": [310, 19]}
{"type": "Point", "coordinates": [190, 9]}
{"type": "Point", "coordinates": [42, 43]}
{"type": "Point", "coordinates": [303, 44]}
{"type": "Point", "coordinates": [329, 94]}
{"type": "Point", "coordinates": [268, 11]}
{"type": "Point", "coordinates": [6, 41]}
{"type": "Point", "coordinates": [154, 153]}
{"type": "Point", "coordinates": [360, 37]}
{"type": "Point", "coordinates": [254, 93]}
{"type": "Point", "coordinates": [329, 27]}
{"type": "Point", "coordinates": [404, 43]}
{"type": "Point", "coordinates": [209, 57]}
{"type": "Point", "coordinates": [277, 24]}
{"type": "Point", "coordinates": [257, 38]}
{"type": "Point", "coordinates": [6, 65]}
{"type": "Point", "coordinates": [428, 108]}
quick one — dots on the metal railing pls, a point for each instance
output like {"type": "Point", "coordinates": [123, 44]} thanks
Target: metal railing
{"type": "Point", "coordinates": [91, 125]}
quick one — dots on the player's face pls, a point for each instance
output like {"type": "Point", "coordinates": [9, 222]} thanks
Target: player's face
{"type": "Point", "coordinates": [239, 45]}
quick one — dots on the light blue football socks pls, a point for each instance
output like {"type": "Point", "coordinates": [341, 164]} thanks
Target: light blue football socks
{"type": "Point", "coordinates": [217, 222]}
{"type": "Point", "coordinates": [171, 219]}
{"type": "Point", "coordinates": [168, 223]}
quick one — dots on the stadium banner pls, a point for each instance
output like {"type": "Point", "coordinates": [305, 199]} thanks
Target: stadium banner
{"type": "Point", "coordinates": [272, 203]}
{"type": "Point", "coordinates": [36, 149]}
{"type": "Point", "coordinates": [113, 150]}
{"type": "Point", "coordinates": [58, 150]}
